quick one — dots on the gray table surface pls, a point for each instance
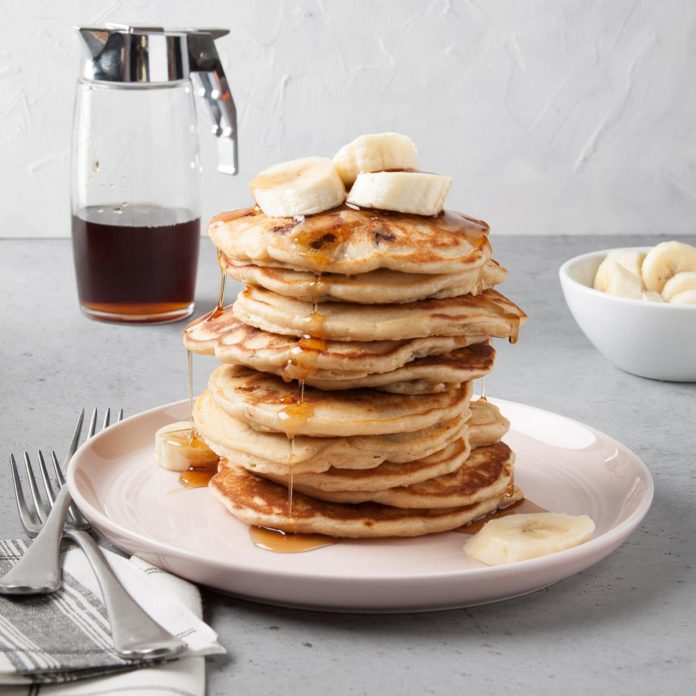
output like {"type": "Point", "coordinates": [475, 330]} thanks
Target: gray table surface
{"type": "Point", "coordinates": [625, 626]}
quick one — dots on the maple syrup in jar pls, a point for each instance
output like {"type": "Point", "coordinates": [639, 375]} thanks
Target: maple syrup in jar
{"type": "Point", "coordinates": [135, 262]}
{"type": "Point", "coordinates": [135, 197]}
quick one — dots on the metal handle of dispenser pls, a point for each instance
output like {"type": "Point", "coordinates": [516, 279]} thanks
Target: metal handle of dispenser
{"type": "Point", "coordinates": [209, 79]}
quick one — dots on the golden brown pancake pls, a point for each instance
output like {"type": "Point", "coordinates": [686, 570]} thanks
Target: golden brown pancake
{"type": "Point", "coordinates": [435, 371]}
{"type": "Point", "coordinates": [204, 333]}
{"type": "Point", "coordinates": [487, 472]}
{"type": "Point", "coordinates": [266, 402]}
{"type": "Point", "coordinates": [265, 352]}
{"type": "Point", "coordinates": [291, 357]}
{"type": "Point", "coordinates": [487, 314]}
{"type": "Point", "coordinates": [258, 501]}
{"type": "Point", "coordinates": [349, 241]}
{"type": "Point", "coordinates": [376, 287]}
{"type": "Point", "coordinates": [274, 454]}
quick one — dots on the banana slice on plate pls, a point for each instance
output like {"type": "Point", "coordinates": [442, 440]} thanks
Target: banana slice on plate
{"type": "Point", "coordinates": [300, 187]}
{"type": "Point", "coordinates": [681, 282]}
{"type": "Point", "coordinates": [665, 261]}
{"type": "Point", "coordinates": [177, 450]}
{"type": "Point", "coordinates": [420, 193]}
{"type": "Point", "coordinates": [613, 278]}
{"type": "Point", "coordinates": [521, 537]}
{"type": "Point", "coordinates": [375, 152]}
{"type": "Point", "coordinates": [686, 297]}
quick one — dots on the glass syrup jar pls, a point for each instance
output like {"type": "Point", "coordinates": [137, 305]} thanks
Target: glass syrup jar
{"type": "Point", "coordinates": [135, 189]}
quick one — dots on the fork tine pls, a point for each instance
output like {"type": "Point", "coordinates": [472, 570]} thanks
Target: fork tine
{"type": "Point", "coordinates": [41, 509]}
{"type": "Point", "coordinates": [58, 470]}
{"type": "Point", "coordinates": [76, 436]}
{"type": "Point", "coordinates": [75, 515]}
{"type": "Point", "coordinates": [92, 424]}
{"type": "Point", "coordinates": [107, 418]}
{"type": "Point", "coordinates": [45, 479]}
{"type": "Point", "coordinates": [120, 416]}
{"type": "Point", "coordinates": [25, 517]}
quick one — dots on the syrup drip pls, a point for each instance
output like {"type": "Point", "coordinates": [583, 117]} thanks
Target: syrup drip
{"type": "Point", "coordinates": [189, 355]}
{"type": "Point", "coordinates": [315, 288]}
{"type": "Point", "coordinates": [296, 414]}
{"type": "Point", "coordinates": [515, 334]}
{"type": "Point", "coordinates": [315, 323]}
{"type": "Point", "coordinates": [219, 307]}
{"type": "Point", "coordinates": [189, 369]}
{"type": "Point", "coordinates": [483, 390]}
{"type": "Point", "coordinates": [302, 359]}
{"type": "Point", "coordinates": [523, 506]}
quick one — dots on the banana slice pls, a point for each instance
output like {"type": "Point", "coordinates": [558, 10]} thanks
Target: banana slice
{"type": "Point", "coordinates": [299, 187]}
{"type": "Point", "coordinates": [681, 282]}
{"type": "Point", "coordinates": [652, 296]}
{"type": "Point", "coordinates": [376, 152]}
{"type": "Point", "coordinates": [616, 280]}
{"type": "Point", "coordinates": [176, 450]}
{"type": "Point", "coordinates": [405, 192]}
{"type": "Point", "coordinates": [665, 261]}
{"type": "Point", "coordinates": [631, 260]}
{"type": "Point", "coordinates": [686, 297]}
{"type": "Point", "coordinates": [521, 537]}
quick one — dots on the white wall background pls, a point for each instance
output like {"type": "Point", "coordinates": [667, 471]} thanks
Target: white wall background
{"type": "Point", "coordinates": [553, 116]}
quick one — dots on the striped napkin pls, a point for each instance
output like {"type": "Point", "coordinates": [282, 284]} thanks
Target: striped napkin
{"type": "Point", "coordinates": [48, 642]}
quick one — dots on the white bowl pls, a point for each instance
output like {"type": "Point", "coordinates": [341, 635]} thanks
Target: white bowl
{"type": "Point", "coordinates": [650, 339]}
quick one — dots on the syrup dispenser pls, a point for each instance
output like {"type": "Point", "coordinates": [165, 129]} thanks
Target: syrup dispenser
{"type": "Point", "coordinates": [135, 169]}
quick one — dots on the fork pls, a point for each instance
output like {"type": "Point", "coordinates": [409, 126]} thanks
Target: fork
{"type": "Point", "coordinates": [135, 635]}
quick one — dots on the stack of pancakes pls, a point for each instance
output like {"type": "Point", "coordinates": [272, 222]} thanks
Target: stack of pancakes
{"type": "Point", "coordinates": [343, 405]}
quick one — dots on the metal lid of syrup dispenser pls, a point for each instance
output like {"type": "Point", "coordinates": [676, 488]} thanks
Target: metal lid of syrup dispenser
{"type": "Point", "coordinates": [118, 53]}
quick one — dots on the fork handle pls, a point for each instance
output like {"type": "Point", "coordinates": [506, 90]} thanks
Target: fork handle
{"type": "Point", "coordinates": [38, 570]}
{"type": "Point", "coordinates": [136, 636]}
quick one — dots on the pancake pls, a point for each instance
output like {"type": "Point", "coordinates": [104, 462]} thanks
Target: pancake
{"type": "Point", "coordinates": [381, 286]}
{"type": "Point", "coordinates": [433, 373]}
{"type": "Point", "coordinates": [235, 342]}
{"type": "Point", "coordinates": [260, 502]}
{"type": "Point", "coordinates": [202, 335]}
{"type": "Point", "coordinates": [386, 475]}
{"type": "Point", "coordinates": [390, 474]}
{"type": "Point", "coordinates": [274, 454]}
{"type": "Point", "coordinates": [265, 402]}
{"type": "Point", "coordinates": [349, 241]}
{"type": "Point", "coordinates": [487, 314]}
{"type": "Point", "coordinates": [486, 424]}
{"type": "Point", "coordinates": [487, 472]}
{"type": "Point", "coordinates": [299, 359]}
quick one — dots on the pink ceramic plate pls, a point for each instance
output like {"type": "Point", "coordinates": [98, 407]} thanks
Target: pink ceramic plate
{"type": "Point", "coordinates": [562, 465]}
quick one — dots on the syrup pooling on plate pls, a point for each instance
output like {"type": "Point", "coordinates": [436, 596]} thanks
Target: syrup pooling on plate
{"type": "Point", "coordinates": [288, 542]}
{"type": "Point", "coordinates": [196, 478]}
